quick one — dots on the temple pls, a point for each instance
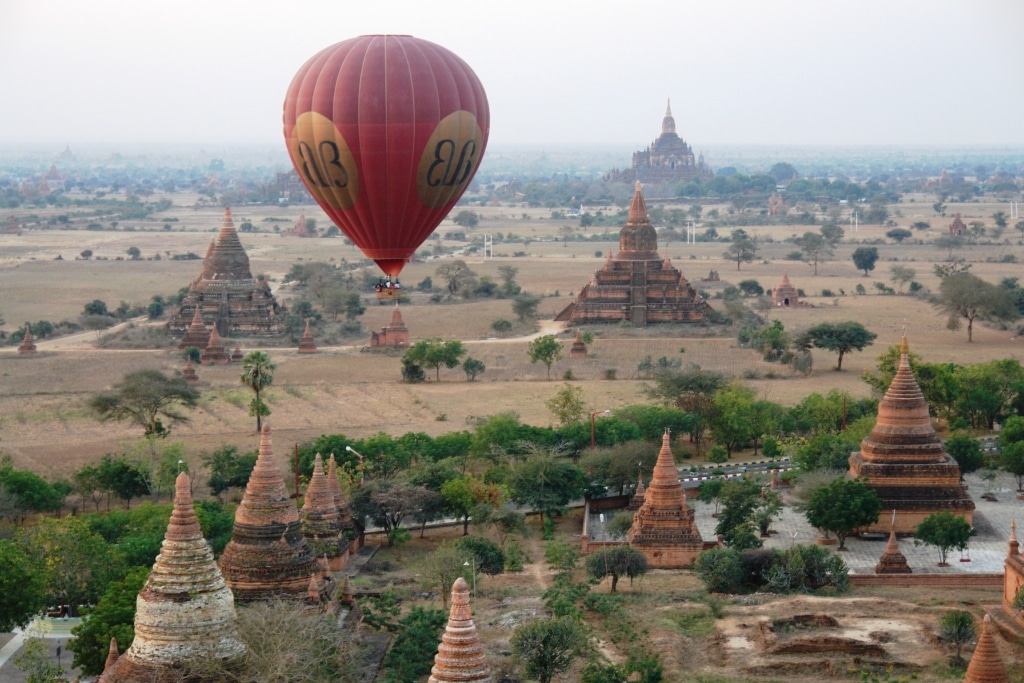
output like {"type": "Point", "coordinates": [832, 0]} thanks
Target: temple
{"type": "Point", "coordinates": [1013, 577]}
{"type": "Point", "coordinates": [785, 294]}
{"type": "Point", "coordinates": [184, 614]}
{"type": "Point", "coordinates": [214, 353]}
{"type": "Point", "coordinates": [267, 556]}
{"type": "Point", "coordinates": [957, 227]}
{"type": "Point", "coordinates": [301, 228]}
{"type": "Point", "coordinates": [396, 334]}
{"type": "Point", "coordinates": [321, 522]}
{"type": "Point", "coordinates": [189, 373]}
{"type": "Point", "coordinates": [28, 343]}
{"type": "Point", "coordinates": [904, 460]}
{"type": "Point", "coordinates": [986, 665]}
{"type": "Point", "coordinates": [892, 561]}
{"type": "Point", "coordinates": [306, 344]}
{"type": "Point", "coordinates": [667, 160]}
{"type": "Point", "coordinates": [226, 294]}
{"type": "Point", "coordinates": [460, 655]}
{"type": "Point", "coordinates": [637, 285]}
{"type": "Point", "coordinates": [12, 227]}
{"type": "Point", "coordinates": [663, 528]}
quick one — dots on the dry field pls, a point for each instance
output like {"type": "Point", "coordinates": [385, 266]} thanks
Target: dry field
{"type": "Point", "coordinates": [44, 423]}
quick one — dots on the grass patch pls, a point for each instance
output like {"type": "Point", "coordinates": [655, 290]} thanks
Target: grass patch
{"type": "Point", "coordinates": [693, 623]}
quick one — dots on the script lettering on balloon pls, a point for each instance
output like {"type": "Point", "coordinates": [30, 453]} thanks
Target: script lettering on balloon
{"type": "Point", "coordinates": [322, 156]}
{"type": "Point", "coordinates": [449, 159]}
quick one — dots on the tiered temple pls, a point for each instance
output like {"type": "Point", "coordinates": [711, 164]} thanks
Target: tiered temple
{"type": "Point", "coordinates": [663, 528]}
{"type": "Point", "coordinates": [267, 556]}
{"type": "Point", "coordinates": [197, 334]}
{"type": "Point", "coordinates": [667, 160]}
{"type": "Point", "coordinates": [306, 344]}
{"type": "Point", "coordinates": [227, 295]}
{"type": "Point", "coordinates": [185, 613]}
{"type": "Point", "coordinates": [460, 655]}
{"type": "Point", "coordinates": [321, 522]}
{"type": "Point", "coordinates": [395, 334]}
{"type": "Point", "coordinates": [636, 285]}
{"type": "Point", "coordinates": [986, 665]}
{"type": "Point", "coordinates": [28, 343]}
{"type": "Point", "coordinates": [904, 460]}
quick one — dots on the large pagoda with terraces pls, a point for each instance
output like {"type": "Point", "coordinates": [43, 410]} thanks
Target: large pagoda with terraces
{"type": "Point", "coordinates": [669, 159]}
{"type": "Point", "coordinates": [226, 294]}
{"type": "Point", "coordinates": [637, 284]}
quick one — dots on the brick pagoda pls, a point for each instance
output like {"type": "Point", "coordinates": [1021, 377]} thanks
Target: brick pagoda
{"type": "Point", "coordinates": [214, 353]}
{"type": "Point", "coordinates": [666, 160]}
{"type": "Point", "coordinates": [460, 655]}
{"type": "Point", "coordinates": [197, 335]}
{"type": "Point", "coordinates": [663, 528]}
{"type": "Point", "coordinates": [395, 334]}
{"type": "Point", "coordinates": [892, 560]}
{"type": "Point", "coordinates": [785, 294]}
{"type": "Point", "coordinates": [185, 613]}
{"type": "Point", "coordinates": [189, 373]}
{"type": "Point", "coordinates": [28, 343]}
{"type": "Point", "coordinates": [306, 344]}
{"type": "Point", "coordinates": [267, 556]}
{"type": "Point", "coordinates": [637, 284]}
{"type": "Point", "coordinates": [904, 460]}
{"type": "Point", "coordinates": [986, 665]}
{"type": "Point", "coordinates": [227, 295]}
{"type": "Point", "coordinates": [12, 227]}
{"type": "Point", "coordinates": [578, 348]}
{"type": "Point", "coordinates": [321, 522]}
{"type": "Point", "coordinates": [1013, 576]}
{"type": "Point", "coordinates": [344, 513]}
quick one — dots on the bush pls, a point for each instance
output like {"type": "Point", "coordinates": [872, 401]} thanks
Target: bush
{"type": "Point", "coordinates": [720, 570]}
{"type": "Point", "coordinates": [490, 558]}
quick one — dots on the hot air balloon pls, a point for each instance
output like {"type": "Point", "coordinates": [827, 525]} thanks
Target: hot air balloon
{"type": "Point", "coordinates": [386, 132]}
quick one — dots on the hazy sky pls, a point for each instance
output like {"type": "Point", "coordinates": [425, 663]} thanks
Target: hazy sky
{"type": "Point", "coordinates": [558, 71]}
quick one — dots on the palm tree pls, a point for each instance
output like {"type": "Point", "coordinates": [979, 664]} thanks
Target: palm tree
{"type": "Point", "coordinates": [257, 373]}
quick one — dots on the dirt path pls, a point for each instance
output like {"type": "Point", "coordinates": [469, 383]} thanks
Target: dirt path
{"type": "Point", "coordinates": [84, 340]}
{"type": "Point", "coordinates": [537, 567]}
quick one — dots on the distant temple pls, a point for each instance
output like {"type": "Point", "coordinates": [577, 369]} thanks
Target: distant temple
{"type": "Point", "coordinates": [12, 227]}
{"type": "Point", "coordinates": [667, 160]}
{"type": "Point", "coordinates": [395, 334]}
{"type": "Point", "coordinates": [637, 284]}
{"type": "Point", "coordinates": [905, 462]}
{"type": "Point", "coordinates": [300, 229]}
{"type": "Point", "coordinates": [957, 227]}
{"type": "Point", "coordinates": [786, 294]}
{"type": "Point", "coordinates": [226, 294]}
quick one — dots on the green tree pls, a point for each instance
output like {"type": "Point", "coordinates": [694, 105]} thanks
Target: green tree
{"type": "Point", "coordinates": [488, 556]}
{"type": "Point", "coordinates": [957, 627]}
{"type": "Point", "coordinates": [22, 590]}
{"type": "Point", "coordinates": [143, 397]}
{"type": "Point", "coordinates": [732, 421]}
{"type": "Point", "coordinates": [134, 253]}
{"type": "Point", "coordinates": [969, 297]}
{"type": "Point", "coordinates": [864, 258]}
{"type": "Point", "coordinates": [740, 499]}
{"type": "Point", "coordinates": [815, 248]}
{"type": "Point", "coordinates": [742, 248]}
{"type": "Point", "coordinates": [546, 483]}
{"type": "Point", "coordinates": [616, 561]}
{"type": "Point", "coordinates": [228, 468]}
{"type": "Point", "coordinates": [112, 617]}
{"type": "Point", "coordinates": [545, 349]}
{"type": "Point", "coordinates": [467, 219]}
{"type": "Point", "coordinates": [949, 243]}
{"type": "Point", "coordinates": [525, 306]}
{"type": "Point", "coordinates": [507, 274]}
{"type": "Point", "coordinates": [841, 338]}
{"type": "Point", "coordinates": [96, 307]}
{"type": "Point", "coordinates": [415, 645]}
{"type": "Point", "coordinates": [434, 353]}
{"type": "Point", "coordinates": [456, 275]}
{"type": "Point", "coordinates": [567, 405]}
{"type": "Point", "coordinates": [258, 374]}
{"type": "Point", "coordinates": [843, 507]}
{"type": "Point", "coordinates": [473, 367]}
{"type": "Point", "coordinates": [35, 661]}
{"type": "Point", "coordinates": [502, 326]}
{"type": "Point", "coordinates": [720, 569]}
{"type": "Point", "coordinates": [899, 234]}
{"type": "Point", "coordinates": [548, 646]}
{"type": "Point", "coordinates": [945, 531]}
{"type": "Point", "coordinates": [710, 492]}
{"type": "Point", "coordinates": [901, 275]}
{"type": "Point", "coordinates": [966, 450]}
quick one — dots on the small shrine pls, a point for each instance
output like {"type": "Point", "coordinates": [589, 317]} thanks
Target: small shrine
{"type": "Point", "coordinates": [189, 373]}
{"type": "Point", "coordinates": [578, 348]}
{"type": "Point", "coordinates": [12, 227]}
{"type": "Point", "coordinates": [197, 336]}
{"type": "Point", "coordinates": [663, 528]}
{"type": "Point", "coordinates": [306, 344]}
{"type": "Point", "coordinates": [785, 295]}
{"type": "Point", "coordinates": [957, 227]}
{"type": "Point", "coordinates": [986, 666]}
{"type": "Point", "coordinates": [214, 353]}
{"type": "Point", "coordinates": [185, 613]}
{"type": "Point", "coordinates": [892, 560]}
{"type": "Point", "coordinates": [460, 655]}
{"type": "Point", "coordinates": [321, 522]}
{"type": "Point", "coordinates": [28, 343]}
{"type": "Point", "coordinates": [395, 334]}
{"type": "Point", "coordinates": [236, 355]}
{"type": "Point", "coordinates": [1013, 576]}
{"type": "Point", "coordinates": [226, 294]}
{"type": "Point", "coordinates": [637, 285]}
{"type": "Point", "coordinates": [904, 460]}
{"type": "Point", "coordinates": [267, 556]}
{"type": "Point", "coordinates": [301, 228]}
{"type": "Point", "coordinates": [638, 495]}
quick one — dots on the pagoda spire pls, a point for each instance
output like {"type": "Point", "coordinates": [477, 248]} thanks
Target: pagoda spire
{"type": "Point", "coordinates": [638, 207]}
{"type": "Point", "coordinates": [986, 665]}
{"type": "Point", "coordinates": [460, 656]}
{"type": "Point", "coordinates": [1013, 547]}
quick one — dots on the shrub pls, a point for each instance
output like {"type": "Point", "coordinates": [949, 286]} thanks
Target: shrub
{"type": "Point", "coordinates": [720, 569]}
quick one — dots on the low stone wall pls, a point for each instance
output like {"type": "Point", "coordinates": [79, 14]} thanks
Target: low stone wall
{"type": "Point", "coordinates": [983, 581]}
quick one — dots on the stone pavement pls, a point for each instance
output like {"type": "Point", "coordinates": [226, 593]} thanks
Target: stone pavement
{"type": "Point", "coordinates": [986, 551]}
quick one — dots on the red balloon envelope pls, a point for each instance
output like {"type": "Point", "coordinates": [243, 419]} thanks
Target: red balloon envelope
{"type": "Point", "coordinates": [386, 132]}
